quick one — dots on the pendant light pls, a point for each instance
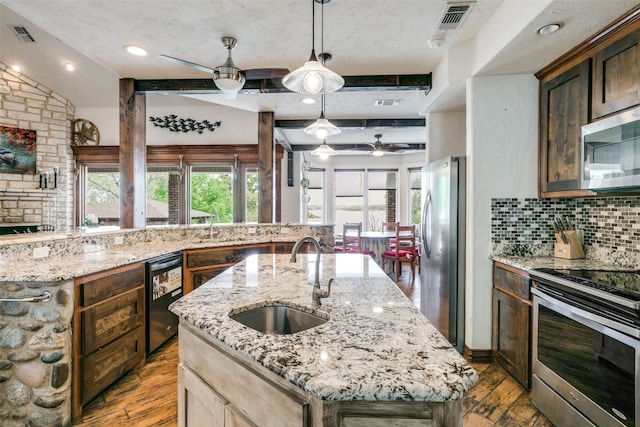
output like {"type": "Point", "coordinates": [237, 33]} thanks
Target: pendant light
{"type": "Point", "coordinates": [322, 127]}
{"type": "Point", "coordinates": [324, 151]}
{"type": "Point", "coordinates": [313, 77]}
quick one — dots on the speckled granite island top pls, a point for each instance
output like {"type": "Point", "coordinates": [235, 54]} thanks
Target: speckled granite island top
{"type": "Point", "coordinates": [376, 345]}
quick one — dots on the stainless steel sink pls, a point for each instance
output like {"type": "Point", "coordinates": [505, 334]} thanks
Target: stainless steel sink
{"type": "Point", "coordinates": [278, 319]}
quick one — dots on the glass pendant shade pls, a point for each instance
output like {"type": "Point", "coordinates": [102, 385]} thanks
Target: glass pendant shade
{"type": "Point", "coordinates": [322, 128]}
{"type": "Point", "coordinates": [313, 78]}
{"type": "Point", "coordinates": [324, 151]}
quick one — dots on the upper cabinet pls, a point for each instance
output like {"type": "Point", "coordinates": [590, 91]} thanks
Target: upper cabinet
{"type": "Point", "coordinates": [616, 76]}
{"type": "Point", "coordinates": [564, 108]}
{"type": "Point", "coordinates": [597, 78]}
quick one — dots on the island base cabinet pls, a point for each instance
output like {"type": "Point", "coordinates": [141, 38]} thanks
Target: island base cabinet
{"type": "Point", "coordinates": [220, 387]}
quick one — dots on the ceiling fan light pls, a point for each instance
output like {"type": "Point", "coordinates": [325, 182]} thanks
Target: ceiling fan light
{"type": "Point", "coordinates": [377, 152]}
{"type": "Point", "coordinates": [322, 128]}
{"type": "Point", "coordinates": [324, 151]}
{"type": "Point", "coordinates": [313, 78]}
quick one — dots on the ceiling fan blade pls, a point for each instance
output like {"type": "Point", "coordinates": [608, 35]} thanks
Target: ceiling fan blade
{"type": "Point", "coordinates": [395, 147]}
{"type": "Point", "coordinates": [265, 73]}
{"type": "Point", "coordinates": [187, 63]}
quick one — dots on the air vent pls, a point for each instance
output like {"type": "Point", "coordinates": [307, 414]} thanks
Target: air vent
{"type": "Point", "coordinates": [22, 34]}
{"type": "Point", "coordinates": [454, 15]}
{"type": "Point", "coordinates": [382, 102]}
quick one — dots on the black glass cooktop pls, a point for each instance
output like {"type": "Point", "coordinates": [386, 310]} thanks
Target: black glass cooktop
{"type": "Point", "coordinates": [625, 284]}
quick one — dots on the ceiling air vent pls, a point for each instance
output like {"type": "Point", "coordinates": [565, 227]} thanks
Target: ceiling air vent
{"type": "Point", "coordinates": [454, 15]}
{"type": "Point", "coordinates": [383, 102]}
{"type": "Point", "coordinates": [22, 34]}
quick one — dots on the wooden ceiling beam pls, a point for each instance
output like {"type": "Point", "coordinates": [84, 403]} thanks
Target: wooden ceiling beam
{"type": "Point", "coordinates": [396, 82]}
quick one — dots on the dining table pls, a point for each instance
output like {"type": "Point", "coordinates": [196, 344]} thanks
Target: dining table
{"type": "Point", "coordinates": [376, 242]}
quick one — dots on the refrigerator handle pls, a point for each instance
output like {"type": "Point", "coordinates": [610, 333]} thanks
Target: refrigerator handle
{"type": "Point", "coordinates": [426, 243]}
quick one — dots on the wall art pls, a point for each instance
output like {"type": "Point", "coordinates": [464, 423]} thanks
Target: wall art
{"type": "Point", "coordinates": [17, 150]}
{"type": "Point", "coordinates": [177, 124]}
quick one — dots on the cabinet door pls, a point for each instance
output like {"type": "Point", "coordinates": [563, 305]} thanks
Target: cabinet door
{"type": "Point", "coordinates": [198, 404]}
{"type": "Point", "coordinates": [616, 76]}
{"type": "Point", "coordinates": [104, 322]}
{"type": "Point", "coordinates": [511, 337]}
{"type": "Point", "coordinates": [564, 108]}
{"type": "Point", "coordinates": [107, 364]}
{"type": "Point", "coordinates": [232, 418]}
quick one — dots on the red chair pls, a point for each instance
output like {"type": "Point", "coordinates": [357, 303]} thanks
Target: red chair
{"type": "Point", "coordinates": [405, 251]}
{"type": "Point", "coordinates": [390, 226]}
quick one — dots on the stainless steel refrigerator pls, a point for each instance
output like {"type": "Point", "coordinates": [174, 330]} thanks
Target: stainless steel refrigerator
{"type": "Point", "coordinates": [443, 247]}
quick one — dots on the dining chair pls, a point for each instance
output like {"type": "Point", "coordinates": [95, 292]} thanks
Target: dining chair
{"type": "Point", "coordinates": [351, 240]}
{"type": "Point", "coordinates": [390, 226]}
{"type": "Point", "coordinates": [405, 251]}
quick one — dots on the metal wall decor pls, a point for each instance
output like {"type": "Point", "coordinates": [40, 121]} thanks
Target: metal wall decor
{"type": "Point", "coordinates": [84, 132]}
{"type": "Point", "coordinates": [177, 124]}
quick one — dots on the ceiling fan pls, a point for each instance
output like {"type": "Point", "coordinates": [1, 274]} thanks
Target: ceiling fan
{"type": "Point", "coordinates": [227, 77]}
{"type": "Point", "coordinates": [378, 148]}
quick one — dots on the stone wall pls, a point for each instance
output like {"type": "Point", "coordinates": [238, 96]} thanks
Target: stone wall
{"type": "Point", "coordinates": [26, 104]}
{"type": "Point", "coordinates": [35, 355]}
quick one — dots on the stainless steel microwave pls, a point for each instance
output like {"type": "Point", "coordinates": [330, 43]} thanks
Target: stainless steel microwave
{"type": "Point", "coordinates": [610, 153]}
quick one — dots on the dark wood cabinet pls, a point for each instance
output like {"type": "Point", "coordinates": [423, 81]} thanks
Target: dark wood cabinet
{"type": "Point", "coordinates": [108, 329]}
{"type": "Point", "coordinates": [564, 108]}
{"type": "Point", "coordinates": [511, 334]}
{"type": "Point", "coordinates": [616, 76]}
{"type": "Point", "coordinates": [202, 265]}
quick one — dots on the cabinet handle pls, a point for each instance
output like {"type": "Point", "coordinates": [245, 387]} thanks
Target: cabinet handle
{"type": "Point", "coordinates": [43, 297]}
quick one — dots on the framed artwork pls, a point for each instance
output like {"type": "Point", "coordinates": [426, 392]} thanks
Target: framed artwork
{"type": "Point", "coordinates": [17, 150]}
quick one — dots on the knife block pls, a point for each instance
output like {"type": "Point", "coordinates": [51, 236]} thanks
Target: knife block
{"type": "Point", "coordinates": [571, 250]}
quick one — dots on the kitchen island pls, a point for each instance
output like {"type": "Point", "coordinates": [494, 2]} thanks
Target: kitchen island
{"type": "Point", "coordinates": [376, 361]}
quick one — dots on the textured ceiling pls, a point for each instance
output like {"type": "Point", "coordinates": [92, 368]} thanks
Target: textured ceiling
{"type": "Point", "coordinates": [371, 37]}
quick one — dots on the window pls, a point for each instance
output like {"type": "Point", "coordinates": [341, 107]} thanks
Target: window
{"type": "Point", "coordinates": [415, 196]}
{"type": "Point", "coordinates": [158, 201]}
{"type": "Point", "coordinates": [251, 195]}
{"type": "Point", "coordinates": [211, 194]}
{"type": "Point", "coordinates": [366, 196]}
{"type": "Point", "coordinates": [315, 209]}
{"type": "Point", "coordinates": [381, 198]}
{"type": "Point", "coordinates": [101, 195]}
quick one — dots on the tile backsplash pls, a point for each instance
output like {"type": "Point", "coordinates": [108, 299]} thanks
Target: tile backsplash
{"type": "Point", "coordinates": [609, 226]}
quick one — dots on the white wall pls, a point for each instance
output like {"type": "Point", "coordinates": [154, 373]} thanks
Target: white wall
{"type": "Point", "coordinates": [502, 127]}
{"type": "Point", "coordinates": [237, 127]}
{"type": "Point", "coordinates": [446, 135]}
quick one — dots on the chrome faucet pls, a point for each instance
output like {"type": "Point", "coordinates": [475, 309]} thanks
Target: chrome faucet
{"type": "Point", "coordinates": [317, 292]}
{"type": "Point", "coordinates": [214, 211]}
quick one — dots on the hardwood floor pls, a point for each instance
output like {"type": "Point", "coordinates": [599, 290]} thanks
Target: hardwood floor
{"type": "Point", "coordinates": [148, 396]}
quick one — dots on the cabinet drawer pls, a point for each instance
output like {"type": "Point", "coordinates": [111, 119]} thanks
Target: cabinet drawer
{"type": "Point", "coordinates": [98, 287]}
{"type": "Point", "coordinates": [227, 255]}
{"type": "Point", "coordinates": [104, 322]}
{"type": "Point", "coordinates": [200, 277]}
{"type": "Point", "coordinates": [511, 280]}
{"type": "Point", "coordinates": [103, 367]}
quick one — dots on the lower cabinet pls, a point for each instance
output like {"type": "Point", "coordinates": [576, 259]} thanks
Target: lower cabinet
{"type": "Point", "coordinates": [202, 265]}
{"type": "Point", "coordinates": [108, 330]}
{"type": "Point", "coordinates": [512, 312]}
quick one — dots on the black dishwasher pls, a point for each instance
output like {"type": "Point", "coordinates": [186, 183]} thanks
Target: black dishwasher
{"type": "Point", "coordinates": [164, 286]}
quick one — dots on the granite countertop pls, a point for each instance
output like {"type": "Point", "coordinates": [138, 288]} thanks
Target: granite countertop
{"type": "Point", "coordinates": [530, 263]}
{"type": "Point", "coordinates": [375, 346]}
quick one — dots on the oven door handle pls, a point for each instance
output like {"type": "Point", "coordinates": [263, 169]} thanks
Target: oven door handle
{"type": "Point", "coordinates": [165, 265]}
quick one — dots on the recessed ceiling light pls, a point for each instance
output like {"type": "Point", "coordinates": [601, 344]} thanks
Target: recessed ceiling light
{"type": "Point", "coordinates": [549, 28]}
{"type": "Point", "coordinates": [135, 50]}
{"type": "Point", "coordinates": [69, 66]}
{"type": "Point", "coordinates": [308, 101]}
{"type": "Point", "coordinates": [16, 68]}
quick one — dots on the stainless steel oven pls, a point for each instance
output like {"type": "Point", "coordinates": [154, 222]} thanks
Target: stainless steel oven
{"type": "Point", "coordinates": [586, 347]}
